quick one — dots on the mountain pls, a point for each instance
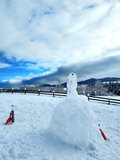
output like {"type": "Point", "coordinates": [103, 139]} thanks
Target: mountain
{"type": "Point", "coordinates": [85, 82]}
{"type": "Point", "coordinates": [93, 80]}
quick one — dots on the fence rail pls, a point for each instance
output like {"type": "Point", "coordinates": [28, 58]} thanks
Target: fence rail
{"type": "Point", "coordinates": [25, 91]}
{"type": "Point", "coordinates": [103, 99]}
{"type": "Point", "coordinates": [53, 93]}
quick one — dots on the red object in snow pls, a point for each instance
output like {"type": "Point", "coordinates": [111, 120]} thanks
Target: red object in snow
{"type": "Point", "coordinates": [103, 134]}
{"type": "Point", "coordinates": [9, 120]}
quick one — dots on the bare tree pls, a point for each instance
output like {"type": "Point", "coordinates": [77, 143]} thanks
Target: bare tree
{"type": "Point", "coordinates": [81, 89]}
{"type": "Point", "coordinates": [89, 89]}
{"type": "Point", "coordinates": [59, 88]}
{"type": "Point", "coordinates": [99, 88]}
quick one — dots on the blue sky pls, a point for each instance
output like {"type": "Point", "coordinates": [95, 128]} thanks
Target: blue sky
{"type": "Point", "coordinates": [42, 41]}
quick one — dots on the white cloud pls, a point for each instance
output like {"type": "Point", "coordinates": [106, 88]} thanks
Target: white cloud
{"type": "Point", "coordinates": [4, 65]}
{"type": "Point", "coordinates": [18, 79]}
{"type": "Point", "coordinates": [14, 81]}
{"type": "Point", "coordinates": [59, 32]}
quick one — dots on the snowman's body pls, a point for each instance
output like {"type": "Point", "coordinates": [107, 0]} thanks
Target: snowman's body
{"type": "Point", "coordinates": [73, 120]}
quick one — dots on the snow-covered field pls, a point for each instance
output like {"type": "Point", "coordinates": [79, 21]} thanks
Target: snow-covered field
{"type": "Point", "coordinates": [28, 139]}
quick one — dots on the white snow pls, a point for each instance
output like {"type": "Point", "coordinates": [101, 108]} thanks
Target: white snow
{"type": "Point", "coordinates": [28, 138]}
{"type": "Point", "coordinates": [74, 121]}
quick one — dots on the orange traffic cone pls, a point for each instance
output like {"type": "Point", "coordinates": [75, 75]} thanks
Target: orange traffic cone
{"type": "Point", "coordinates": [9, 120]}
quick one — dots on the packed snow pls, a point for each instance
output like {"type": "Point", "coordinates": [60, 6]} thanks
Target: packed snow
{"type": "Point", "coordinates": [28, 137]}
{"type": "Point", "coordinates": [74, 121]}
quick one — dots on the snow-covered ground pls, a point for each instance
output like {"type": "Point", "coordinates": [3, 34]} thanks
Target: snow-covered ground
{"type": "Point", "coordinates": [28, 138]}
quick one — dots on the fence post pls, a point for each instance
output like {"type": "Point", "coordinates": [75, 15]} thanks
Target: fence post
{"type": "Point", "coordinates": [88, 97]}
{"type": "Point", "coordinates": [25, 90]}
{"type": "Point", "coordinates": [53, 93]}
{"type": "Point", "coordinates": [108, 101]}
{"type": "Point", "coordinates": [38, 92]}
{"type": "Point", "coordinates": [12, 90]}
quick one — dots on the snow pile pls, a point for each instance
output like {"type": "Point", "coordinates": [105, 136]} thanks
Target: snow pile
{"type": "Point", "coordinates": [73, 120]}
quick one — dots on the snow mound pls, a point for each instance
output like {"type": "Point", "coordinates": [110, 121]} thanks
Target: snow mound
{"type": "Point", "coordinates": [74, 121]}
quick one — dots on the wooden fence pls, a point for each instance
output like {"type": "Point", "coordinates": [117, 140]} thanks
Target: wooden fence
{"type": "Point", "coordinates": [39, 92]}
{"type": "Point", "coordinates": [53, 93]}
{"type": "Point", "coordinates": [103, 99]}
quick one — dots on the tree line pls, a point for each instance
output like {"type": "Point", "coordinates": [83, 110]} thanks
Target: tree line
{"type": "Point", "coordinates": [100, 89]}
{"type": "Point", "coordinates": [95, 89]}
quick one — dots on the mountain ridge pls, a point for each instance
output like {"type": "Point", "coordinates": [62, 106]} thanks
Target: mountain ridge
{"type": "Point", "coordinates": [93, 80]}
{"type": "Point", "coordinates": [84, 82]}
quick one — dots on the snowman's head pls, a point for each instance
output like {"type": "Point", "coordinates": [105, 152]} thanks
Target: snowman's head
{"type": "Point", "coordinates": [72, 77]}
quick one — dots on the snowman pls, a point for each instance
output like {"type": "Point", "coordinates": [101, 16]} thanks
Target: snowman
{"type": "Point", "coordinates": [74, 121]}
{"type": "Point", "coordinates": [72, 85]}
